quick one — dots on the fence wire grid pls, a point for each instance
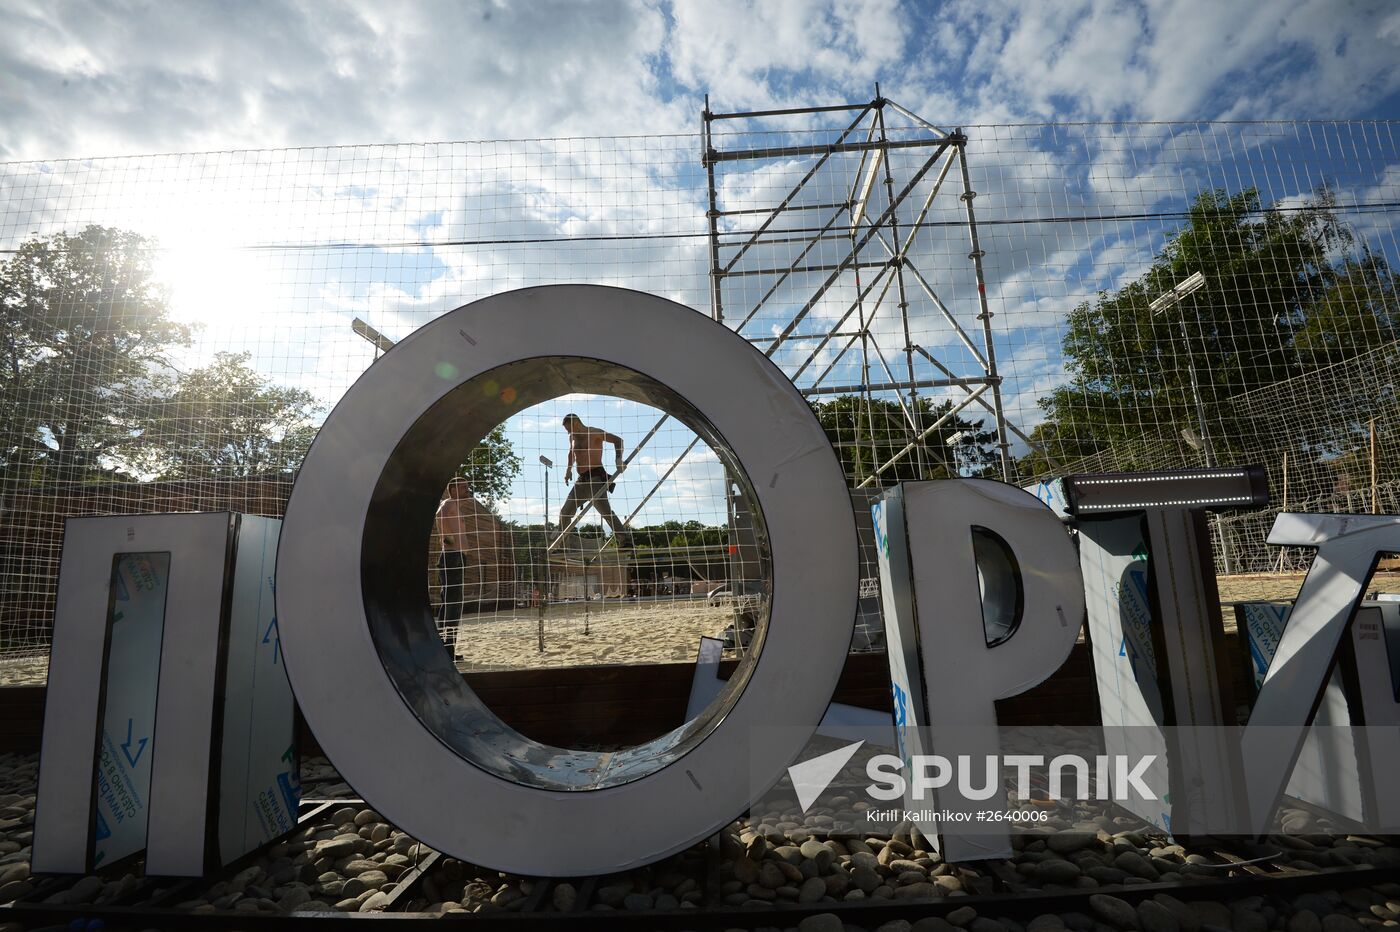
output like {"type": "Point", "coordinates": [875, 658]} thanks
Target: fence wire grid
{"type": "Point", "coordinates": [954, 301]}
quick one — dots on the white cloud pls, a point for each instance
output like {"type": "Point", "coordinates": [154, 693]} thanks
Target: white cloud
{"type": "Point", "coordinates": [111, 78]}
{"type": "Point", "coordinates": [90, 78]}
{"type": "Point", "coordinates": [743, 51]}
{"type": "Point", "coordinates": [1161, 59]}
{"type": "Point", "coordinates": [86, 79]}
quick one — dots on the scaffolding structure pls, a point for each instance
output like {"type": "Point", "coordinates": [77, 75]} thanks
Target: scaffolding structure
{"type": "Point", "coordinates": [861, 232]}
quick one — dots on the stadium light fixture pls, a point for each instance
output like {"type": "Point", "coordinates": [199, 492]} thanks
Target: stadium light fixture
{"type": "Point", "coordinates": [1178, 291]}
{"type": "Point", "coordinates": [380, 341]}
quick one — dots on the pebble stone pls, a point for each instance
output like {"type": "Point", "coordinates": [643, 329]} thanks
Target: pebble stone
{"type": "Point", "coordinates": [821, 922]}
{"type": "Point", "coordinates": [1340, 922]}
{"type": "Point", "coordinates": [564, 897]}
{"type": "Point", "coordinates": [895, 925]}
{"type": "Point", "coordinates": [962, 916]}
{"type": "Point", "coordinates": [1154, 917]}
{"type": "Point", "coordinates": [1117, 913]}
{"type": "Point", "coordinates": [350, 860]}
{"type": "Point", "coordinates": [1304, 920]}
{"type": "Point", "coordinates": [932, 924]}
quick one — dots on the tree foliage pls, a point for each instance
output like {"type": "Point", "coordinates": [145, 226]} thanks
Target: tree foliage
{"type": "Point", "coordinates": [224, 421]}
{"type": "Point", "coordinates": [867, 435]}
{"type": "Point", "coordinates": [85, 336]}
{"type": "Point", "coordinates": [491, 468]}
{"type": "Point", "coordinates": [88, 391]}
{"type": "Point", "coordinates": [1359, 310]}
{"type": "Point", "coordinates": [1277, 302]}
{"type": "Point", "coordinates": [680, 534]}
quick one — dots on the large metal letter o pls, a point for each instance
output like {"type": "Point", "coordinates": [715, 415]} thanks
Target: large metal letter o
{"type": "Point", "coordinates": [381, 694]}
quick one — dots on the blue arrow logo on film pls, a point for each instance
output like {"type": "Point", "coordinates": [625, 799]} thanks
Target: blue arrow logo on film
{"type": "Point", "coordinates": [126, 748]}
{"type": "Point", "coordinates": [268, 638]}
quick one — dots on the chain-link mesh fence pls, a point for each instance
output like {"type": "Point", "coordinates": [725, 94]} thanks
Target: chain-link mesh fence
{"type": "Point", "coordinates": [982, 300]}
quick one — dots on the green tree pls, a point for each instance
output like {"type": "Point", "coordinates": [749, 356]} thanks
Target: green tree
{"type": "Point", "coordinates": [1347, 349]}
{"type": "Point", "coordinates": [1359, 310]}
{"type": "Point", "coordinates": [1130, 399]}
{"type": "Point", "coordinates": [492, 467]}
{"type": "Point", "coordinates": [867, 435]}
{"type": "Point", "coordinates": [224, 420]}
{"type": "Point", "coordinates": [85, 333]}
{"type": "Point", "coordinates": [679, 534]}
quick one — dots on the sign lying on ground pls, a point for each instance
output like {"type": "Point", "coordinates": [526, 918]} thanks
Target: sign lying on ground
{"type": "Point", "coordinates": [983, 594]}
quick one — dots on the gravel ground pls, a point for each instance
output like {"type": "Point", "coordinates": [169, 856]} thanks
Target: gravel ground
{"type": "Point", "coordinates": [349, 859]}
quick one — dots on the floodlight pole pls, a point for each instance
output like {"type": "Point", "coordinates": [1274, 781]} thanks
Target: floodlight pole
{"type": "Point", "coordinates": [382, 344]}
{"type": "Point", "coordinates": [1159, 305]}
{"type": "Point", "coordinates": [546, 462]}
{"type": "Point", "coordinates": [1164, 302]}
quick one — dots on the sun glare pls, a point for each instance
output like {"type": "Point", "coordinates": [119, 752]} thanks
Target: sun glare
{"type": "Point", "coordinates": [210, 284]}
{"type": "Point", "coordinates": [214, 281]}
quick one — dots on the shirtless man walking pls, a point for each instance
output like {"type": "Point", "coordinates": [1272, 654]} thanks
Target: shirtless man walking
{"type": "Point", "coordinates": [594, 483]}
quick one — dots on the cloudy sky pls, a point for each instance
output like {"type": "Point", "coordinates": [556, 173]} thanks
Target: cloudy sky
{"type": "Point", "coordinates": [613, 92]}
{"type": "Point", "coordinates": [106, 78]}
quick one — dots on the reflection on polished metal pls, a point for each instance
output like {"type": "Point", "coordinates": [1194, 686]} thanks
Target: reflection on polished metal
{"type": "Point", "coordinates": [393, 544]}
{"type": "Point", "coordinates": [382, 696]}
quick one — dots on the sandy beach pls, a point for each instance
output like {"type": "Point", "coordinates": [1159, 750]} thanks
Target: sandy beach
{"type": "Point", "coordinates": [1281, 587]}
{"type": "Point", "coordinates": [575, 635]}
{"type": "Point", "coordinates": [654, 631]}
{"type": "Point", "coordinates": [666, 631]}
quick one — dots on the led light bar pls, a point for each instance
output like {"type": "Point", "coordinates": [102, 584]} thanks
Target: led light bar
{"type": "Point", "coordinates": [1214, 489]}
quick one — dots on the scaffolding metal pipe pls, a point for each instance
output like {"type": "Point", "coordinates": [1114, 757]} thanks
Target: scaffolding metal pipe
{"type": "Point", "coordinates": [790, 270]}
{"type": "Point", "coordinates": [893, 386]}
{"type": "Point", "coordinates": [834, 108]}
{"type": "Point", "coordinates": [716, 297]}
{"type": "Point", "coordinates": [911, 411]}
{"type": "Point", "coordinates": [910, 416]}
{"type": "Point", "coordinates": [811, 244]}
{"type": "Point", "coordinates": [948, 316]}
{"type": "Point", "coordinates": [928, 203]}
{"type": "Point", "coordinates": [790, 195]}
{"type": "Point", "coordinates": [986, 315]}
{"type": "Point", "coordinates": [664, 476]}
{"type": "Point", "coordinates": [828, 149]}
{"type": "Point", "coordinates": [864, 332]}
{"type": "Point", "coordinates": [806, 336]}
{"type": "Point", "coordinates": [918, 119]}
{"type": "Point", "coordinates": [1010, 425]}
{"type": "Point", "coordinates": [841, 322]}
{"type": "Point", "coordinates": [841, 205]}
{"type": "Point", "coordinates": [832, 365]}
{"type": "Point", "coordinates": [826, 285]}
{"type": "Point", "coordinates": [951, 413]}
